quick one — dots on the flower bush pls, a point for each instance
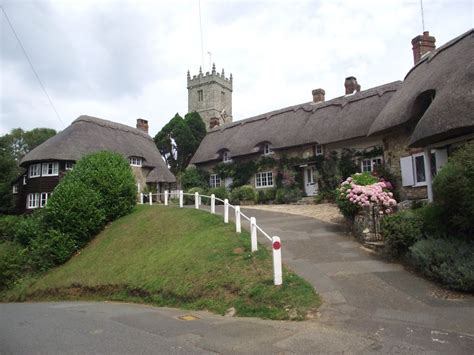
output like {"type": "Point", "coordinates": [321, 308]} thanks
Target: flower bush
{"type": "Point", "coordinates": [365, 191]}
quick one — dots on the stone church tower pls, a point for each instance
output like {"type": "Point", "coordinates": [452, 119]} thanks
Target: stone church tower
{"type": "Point", "coordinates": [211, 96]}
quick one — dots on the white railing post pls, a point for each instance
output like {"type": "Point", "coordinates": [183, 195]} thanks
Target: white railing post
{"type": "Point", "coordinates": [238, 228]}
{"type": "Point", "coordinates": [150, 197]}
{"type": "Point", "coordinates": [226, 211]}
{"type": "Point", "coordinates": [166, 197]}
{"type": "Point", "coordinates": [253, 233]}
{"type": "Point", "coordinates": [277, 269]}
{"type": "Point", "coordinates": [196, 200]}
{"type": "Point", "coordinates": [181, 198]}
{"type": "Point", "coordinates": [141, 198]}
{"type": "Point", "coordinates": [213, 204]}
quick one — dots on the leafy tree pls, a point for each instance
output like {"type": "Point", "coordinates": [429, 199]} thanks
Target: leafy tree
{"type": "Point", "coordinates": [179, 139]}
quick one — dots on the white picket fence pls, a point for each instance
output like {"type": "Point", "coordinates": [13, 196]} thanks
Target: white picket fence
{"type": "Point", "coordinates": [253, 226]}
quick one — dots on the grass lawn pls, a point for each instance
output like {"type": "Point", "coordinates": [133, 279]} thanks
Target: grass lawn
{"type": "Point", "coordinates": [174, 257]}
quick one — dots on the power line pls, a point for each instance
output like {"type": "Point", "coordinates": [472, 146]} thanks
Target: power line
{"type": "Point", "coordinates": [32, 67]}
{"type": "Point", "coordinates": [422, 16]}
{"type": "Point", "coordinates": [200, 27]}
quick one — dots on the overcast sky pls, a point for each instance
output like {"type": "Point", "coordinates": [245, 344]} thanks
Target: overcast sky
{"type": "Point", "coordinates": [121, 60]}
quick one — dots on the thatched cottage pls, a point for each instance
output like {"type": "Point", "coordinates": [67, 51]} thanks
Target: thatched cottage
{"type": "Point", "coordinates": [46, 164]}
{"type": "Point", "coordinates": [397, 125]}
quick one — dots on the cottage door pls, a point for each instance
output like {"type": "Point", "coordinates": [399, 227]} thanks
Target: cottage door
{"type": "Point", "coordinates": [311, 186]}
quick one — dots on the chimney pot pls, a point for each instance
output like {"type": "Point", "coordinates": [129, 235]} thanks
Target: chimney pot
{"type": "Point", "coordinates": [422, 44]}
{"type": "Point", "coordinates": [351, 85]}
{"type": "Point", "coordinates": [142, 125]}
{"type": "Point", "coordinates": [318, 95]}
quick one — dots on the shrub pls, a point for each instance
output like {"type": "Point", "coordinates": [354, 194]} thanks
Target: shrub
{"type": "Point", "coordinates": [12, 263]}
{"type": "Point", "coordinates": [219, 192]}
{"type": "Point", "coordinates": [76, 210]}
{"type": "Point", "coordinates": [29, 227]}
{"type": "Point", "coordinates": [8, 225]}
{"type": "Point", "coordinates": [193, 177]}
{"type": "Point", "coordinates": [288, 195]}
{"type": "Point", "coordinates": [400, 231]}
{"type": "Point", "coordinates": [109, 174]}
{"type": "Point", "coordinates": [243, 193]}
{"type": "Point", "coordinates": [326, 196]}
{"type": "Point", "coordinates": [50, 249]}
{"type": "Point", "coordinates": [448, 261]}
{"type": "Point", "coordinates": [453, 189]}
{"type": "Point", "coordinates": [267, 195]}
{"type": "Point", "coordinates": [189, 200]}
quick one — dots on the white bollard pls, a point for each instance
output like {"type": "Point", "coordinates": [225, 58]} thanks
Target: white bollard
{"type": "Point", "coordinates": [150, 197]}
{"type": "Point", "coordinates": [277, 269]}
{"type": "Point", "coordinates": [141, 198]}
{"type": "Point", "coordinates": [253, 233]}
{"type": "Point", "coordinates": [196, 200]}
{"type": "Point", "coordinates": [226, 211]}
{"type": "Point", "coordinates": [181, 198]}
{"type": "Point", "coordinates": [238, 228]}
{"type": "Point", "coordinates": [213, 204]}
{"type": "Point", "coordinates": [166, 197]}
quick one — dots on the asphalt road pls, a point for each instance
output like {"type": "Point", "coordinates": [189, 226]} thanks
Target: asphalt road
{"type": "Point", "coordinates": [370, 306]}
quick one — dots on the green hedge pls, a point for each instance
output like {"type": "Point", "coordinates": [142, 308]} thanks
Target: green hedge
{"type": "Point", "coordinates": [448, 261]}
{"type": "Point", "coordinates": [288, 194]}
{"type": "Point", "coordinates": [244, 193]}
{"type": "Point", "coordinates": [400, 231]}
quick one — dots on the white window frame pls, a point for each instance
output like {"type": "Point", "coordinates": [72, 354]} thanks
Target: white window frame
{"type": "Point", "coordinates": [135, 161]}
{"type": "Point", "coordinates": [50, 169]}
{"type": "Point", "coordinates": [15, 188]}
{"type": "Point", "coordinates": [32, 200]}
{"type": "Point", "coordinates": [68, 165]}
{"type": "Point", "coordinates": [263, 178]}
{"type": "Point", "coordinates": [226, 157]}
{"type": "Point", "coordinates": [24, 179]}
{"type": "Point", "coordinates": [267, 150]}
{"type": "Point", "coordinates": [408, 166]}
{"type": "Point", "coordinates": [415, 175]}
{"type": "Point", "coordinates": [318, 150]}
{"type": "Point", "coordinates": [370, 163]}
{"type": "Point", "coordinates": [34, 170]}
{"type": "Point", "coordinates": [44, 196]}
{"type": "Point", "coordinates": [214, 180]}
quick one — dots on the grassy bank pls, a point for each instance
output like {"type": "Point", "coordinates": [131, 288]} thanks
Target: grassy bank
{"type": "Point", "coordinates": [174, 257]}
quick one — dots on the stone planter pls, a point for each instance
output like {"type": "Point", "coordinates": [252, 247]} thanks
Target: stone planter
{"type": "Point", "coordinates": [366, 226]}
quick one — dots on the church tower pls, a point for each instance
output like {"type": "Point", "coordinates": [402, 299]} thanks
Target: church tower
{"type": "Point", "coordinates": [210, 95]}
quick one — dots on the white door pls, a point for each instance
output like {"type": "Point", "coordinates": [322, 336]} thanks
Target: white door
{"type": "Point", "coordinates": [310, 183]}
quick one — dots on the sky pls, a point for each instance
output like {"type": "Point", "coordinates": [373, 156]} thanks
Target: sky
{"type": "Point", "coordinates": [123, 60]}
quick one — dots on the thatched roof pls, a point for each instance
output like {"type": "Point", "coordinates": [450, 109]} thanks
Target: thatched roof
{"type": "Point", "coordinates": [449, 71]}
{"type": "Point", "coordinates": [342, 118]}
{"type": "Point", "coordinates": [90, 134]}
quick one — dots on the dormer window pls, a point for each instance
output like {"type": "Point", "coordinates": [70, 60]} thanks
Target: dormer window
{"type": "Point", "coordinates": [226, 157]}
{"type": "Point", "coordinates": [34, 170]}
{"type": "Point", "coordinates": [135, 161]}
{"type": "Point", "coordinates": [50, 169]}
{"type": "Point", "coordinates": [267, 149]}
{"type": "Point", "coordinates": [318, 149]}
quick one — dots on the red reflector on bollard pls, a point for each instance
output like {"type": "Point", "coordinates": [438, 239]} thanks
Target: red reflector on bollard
{"type": "Point", "coordinates": [276, 245]}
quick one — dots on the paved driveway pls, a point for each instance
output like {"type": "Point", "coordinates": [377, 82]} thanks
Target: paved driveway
{"type": "Point", "coordinates": [366, 294]}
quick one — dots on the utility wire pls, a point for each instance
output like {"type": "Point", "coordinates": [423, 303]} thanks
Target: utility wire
{"type": "Point", "coordinates": [200, 27]}
{"type": "Point", "coordinates": [32, 67]}
{"type": "Point", "coordinates": [422, 16]}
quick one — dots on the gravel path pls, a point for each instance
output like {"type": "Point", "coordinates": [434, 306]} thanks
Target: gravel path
{"type": "Point", "coordinates": [327, 212]}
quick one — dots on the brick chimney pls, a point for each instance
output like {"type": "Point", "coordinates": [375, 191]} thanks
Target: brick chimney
{"type": "Point", "coordinates": [422, 44]}
{"type": "Point", "coordinates": [318, 95]}
{"type": "Point", "coordinates": [351, 85]}
{"type": "Point", "coordinates": [142, 124]}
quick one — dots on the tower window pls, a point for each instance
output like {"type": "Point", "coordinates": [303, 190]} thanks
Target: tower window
{"type": "Point", "coordinates": [200, 95]}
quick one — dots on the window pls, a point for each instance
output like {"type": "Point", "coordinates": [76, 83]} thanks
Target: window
{"type": "Point", "coordinates": [413, 167]}
{"type": "Point", "coordinates": [34, 170]}
{"type": "Point", "coordinates": [44, 198]}
{"type": "Point", "coordinates": [32, 201]}
{"type": "Point", "coordinates": [200, 95]}
{"type": "Point", "coordinates": [135, 161]}
{"type": "Point", "coordinates": [318, 150]}
{"type": "Point", "coordinates": [368, 165]}
{"type": "Point", "coordinates": [24, 179]}
{"type": "Point", "coordinates": [50, 169]}
{"type": "Point", "coordinates": [267, 149]}
{"type": "Point", "coordinates": [214, 181]}
{"type": "Point", "coordinates": [226, 157]}
{"type": "Point", "coordinates": [15, 188]}
{"type": "Point", "coordinates": [69, 165]}
{"type": "Point", "coordinates": [264, 179]}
